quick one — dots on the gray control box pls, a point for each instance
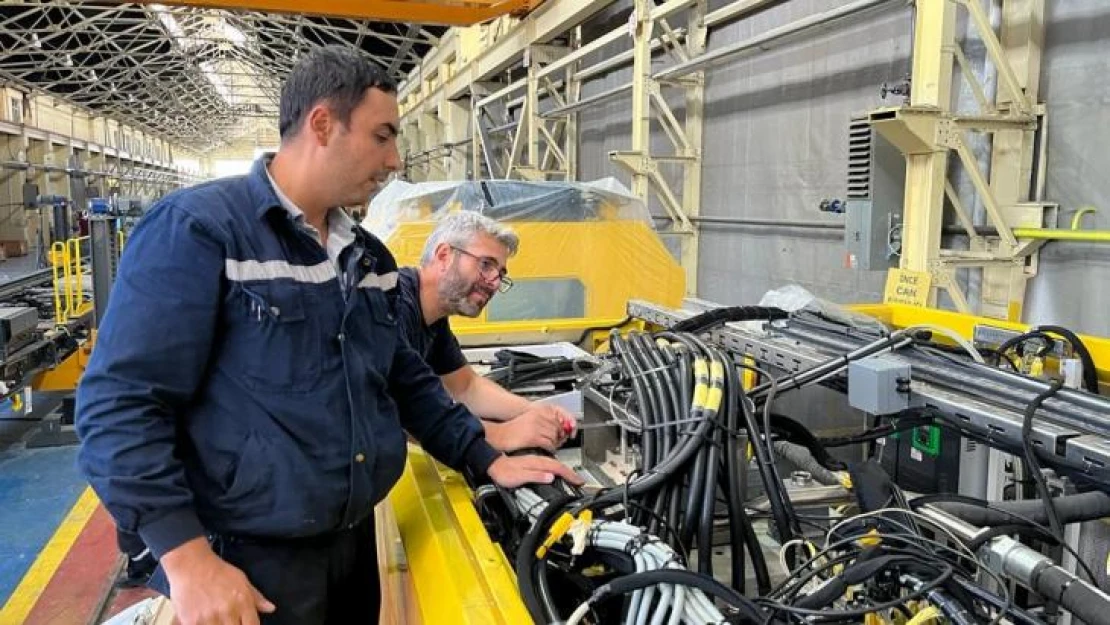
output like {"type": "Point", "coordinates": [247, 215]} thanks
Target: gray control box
{"type": "Point", "coordinates": [879, 385]}
{"type": "Point", "coordinates": [876, 194]}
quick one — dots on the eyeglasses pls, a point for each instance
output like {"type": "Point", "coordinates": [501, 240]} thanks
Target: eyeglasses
{"type": "Point", "coordinates": [490, 270]}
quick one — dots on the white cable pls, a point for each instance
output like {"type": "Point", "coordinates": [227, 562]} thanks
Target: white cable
{"type": "Point", "coordinates": [579, 614]}
{"type": "Point", "coordinates": [950, 333]}
{"type": "Point", "coordinates": [637, 595]}
{"type": "Point", "coordinates": [667, 594]}
{"type": "Point", "coordinates": [679, 604]}
{"type": "Point", "coordinates": [690, 604]}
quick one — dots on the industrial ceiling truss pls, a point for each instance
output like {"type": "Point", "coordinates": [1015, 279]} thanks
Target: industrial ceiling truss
{"type": "Point", "coordinates": [199, 77]}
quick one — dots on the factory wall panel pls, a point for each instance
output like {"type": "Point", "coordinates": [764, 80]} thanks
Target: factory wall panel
{"type": "Point", "coordinates": [775, 146]}
{"type": "Point", "coordinates": [1073, 286]}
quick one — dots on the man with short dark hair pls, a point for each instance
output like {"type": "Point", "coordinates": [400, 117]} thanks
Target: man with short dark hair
{"type": "Point", "coordinates": [463, 266]}
{"type": "Point", "coordinates": [243, 407]}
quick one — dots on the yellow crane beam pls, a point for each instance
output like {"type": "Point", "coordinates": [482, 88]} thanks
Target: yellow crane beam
{"type": "Point", "coordinates": [445, 12]}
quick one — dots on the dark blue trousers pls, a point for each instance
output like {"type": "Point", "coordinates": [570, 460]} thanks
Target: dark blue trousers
{"type": "Point", "coordinates": [324, 580]}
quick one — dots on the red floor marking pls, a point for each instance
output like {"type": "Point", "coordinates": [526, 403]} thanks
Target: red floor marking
{"type": "Point", "coordinates": [83, 577]}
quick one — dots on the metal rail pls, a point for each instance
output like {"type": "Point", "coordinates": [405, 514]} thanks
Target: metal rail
{"type": "Point", "coordinates": [36, 278]}
{"type": "Point", "coordinates": [1072, 428]}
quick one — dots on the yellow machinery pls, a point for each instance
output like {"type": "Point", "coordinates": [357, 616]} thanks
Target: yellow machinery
{"type": "Point", "coordinates": [585, 251]}
{"type": "Point", "coordinates": [438, 562]}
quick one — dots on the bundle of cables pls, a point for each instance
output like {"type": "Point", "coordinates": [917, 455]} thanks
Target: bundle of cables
{"type": "Point", "coordinates": [519, 371]}
{"type": "Point", "coordinates": [687, 407]}
{"type": "Point", "coordinates": [1044, 337]}
{"type": "Point", "coordinates": [888, 559]}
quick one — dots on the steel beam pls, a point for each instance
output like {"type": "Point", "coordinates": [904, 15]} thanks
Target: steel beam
{"type": "Point", "coordinates": [934, 40]}
{"type": "Point", "coordinates": [420, 11]}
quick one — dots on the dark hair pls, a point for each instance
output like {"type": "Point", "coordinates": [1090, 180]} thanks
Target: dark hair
{"type": "Point", "coordinates": [337, 74]}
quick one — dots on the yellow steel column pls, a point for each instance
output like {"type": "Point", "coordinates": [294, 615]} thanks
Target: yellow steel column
{"type": "Point", "coordinates": [934, 38]}
{"type": "Point", "coordinates": [696, 32]}
{"type": "Point", "coordinates": [641, 97]}
{"type": "Point", "coordinates": [529, 117]}
{"type": "Point", "coordinates": [1022, 38]}
{"type": "Point", "coordinates": [573, 93]}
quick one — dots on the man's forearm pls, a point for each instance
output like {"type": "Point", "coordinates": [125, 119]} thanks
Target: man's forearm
{"type": "Point", "coordinates": [489, 401]}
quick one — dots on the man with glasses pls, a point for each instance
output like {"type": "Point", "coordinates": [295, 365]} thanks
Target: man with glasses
{"type": "Point", "coordinates": [463, 266]}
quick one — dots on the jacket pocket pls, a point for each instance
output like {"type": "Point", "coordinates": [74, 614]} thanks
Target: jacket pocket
{"type": "Point", "coordinates": [247, 480]}
{"type": "Point", "coordinates": [274, 344]}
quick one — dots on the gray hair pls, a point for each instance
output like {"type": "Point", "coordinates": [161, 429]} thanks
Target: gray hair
{"type": "Point", "coordinates": [459, 229]}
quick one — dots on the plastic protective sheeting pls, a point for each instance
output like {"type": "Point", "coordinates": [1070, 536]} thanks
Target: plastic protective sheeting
{"type": "Point", "coordinates": [793, 298]}
{"type": "Point", "coordinates": [585, 248]}
{"type": "Point", "coordinates": [504, 200]}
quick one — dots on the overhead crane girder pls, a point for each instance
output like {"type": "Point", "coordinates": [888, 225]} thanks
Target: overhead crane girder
{"type": "Point", "coordinates": [445, 12]}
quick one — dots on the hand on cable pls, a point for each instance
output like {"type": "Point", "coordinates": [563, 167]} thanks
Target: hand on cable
{"type": "Point", "coordinates": [208, 590]}
{"type": "Point", "coordinates": [541, 425]}
{"type": "Point", "coordinates": [516, 471]}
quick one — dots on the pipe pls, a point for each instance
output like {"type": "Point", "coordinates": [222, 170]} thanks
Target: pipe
{"type": "Point", "coordinates": [1072, 509]}
{"type": "Point", "coordinates": [1078, 218]}
{"type": "Point", "coordinates": [1059, 234]}
{"type": "Point", "coordinates": [764, 41]}
{"type": "Point", "coordinates": [766, 223]}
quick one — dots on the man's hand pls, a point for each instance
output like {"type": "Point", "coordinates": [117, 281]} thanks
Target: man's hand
{"type": "Point", "coordinates": [208, 591]}
{"type": "Point", "coordinates": [541, 425]}
{"type": "Point", "coordinates": [514, 471]}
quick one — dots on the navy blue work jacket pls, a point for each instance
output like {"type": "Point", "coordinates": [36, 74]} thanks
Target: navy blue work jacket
{"type": "Point", "coordinates": [243, 384]}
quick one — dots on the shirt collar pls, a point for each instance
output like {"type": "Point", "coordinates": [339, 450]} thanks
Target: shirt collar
{"type": "Point", "coordinates": [340, 224]}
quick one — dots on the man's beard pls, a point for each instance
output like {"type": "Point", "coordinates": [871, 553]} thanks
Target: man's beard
{"type": "Point", "coordinates": [455, 292]}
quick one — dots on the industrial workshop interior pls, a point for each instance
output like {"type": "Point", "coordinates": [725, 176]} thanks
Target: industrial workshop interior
{"type": "Point", "coordinates": [821, 284]}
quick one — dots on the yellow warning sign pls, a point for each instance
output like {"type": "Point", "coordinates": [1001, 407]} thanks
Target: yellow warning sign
{"type": "Point", "coordinates": [907, 287]}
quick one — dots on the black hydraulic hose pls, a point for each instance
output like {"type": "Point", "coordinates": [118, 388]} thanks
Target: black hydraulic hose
{"type": "Point", "coordinates": [543, 588]}
{"type": "Point", "coordinates": [662, 362]}
{"type": "Point", "coordinates": [1090, 374]}
{"type": "Point", "coordinates": [1015, 614]}
{"type": "Point", "coordinates": [708, 499]}
{"type": "Point", "coordinates": [706, 320]}
{"type": "Point", "coordinates": [662, 388]}
{"type": "Point", "coordinates": [525, 561]}
{"type": "Point", "coordinates": [729, 479]}
{"type": "Point", "coordinates": [631, 371]}
{"type": "Point", "coordinates": [654, 391]}
{"type": "Point", "coordinates": [1070, 508]}
{"type": "Point", "coordinates": [1033, 466]}
{"type": "Point", "coordinates": [648, 410]}
{"type": "Point", "coordinates": [735, 455]}
{"type": "Point", "coordinates": [708, 585]}
{"type": "Point", "coordinates": [712, 464]}
{"type": "Point", "coordinates": [669, 499]}
{"type": "Point", "coordinates": [773, 490]}
{"type": "Point", "coordinates": [1084, 601]}
{"type": "Point", "coordinates": [773, 467]}
{"type": "Point", "coordinates": [684, 451]}
{"type": "Point", "coordinates": [651, 417]}
{"type": "Point", "coordinates": [692, 508]}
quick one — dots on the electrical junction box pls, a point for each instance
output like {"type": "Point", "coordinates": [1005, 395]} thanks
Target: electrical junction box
{"type": "Point", "coordinates": [879, 385]}
{"type": "Point", "coordinates": [876, 194]}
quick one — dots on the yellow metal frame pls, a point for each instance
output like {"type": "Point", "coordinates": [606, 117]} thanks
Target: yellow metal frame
{"type": "Point", "coordinates": [447, 12]}
{"type": "Point", "coordinates": [902, 316]}
{"type": "Point", "coordinates": [438, 561]}
{"type": "Point", "coordinates": [69, 275]}
{"type": "Point", "coordinates": [68, 373]}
